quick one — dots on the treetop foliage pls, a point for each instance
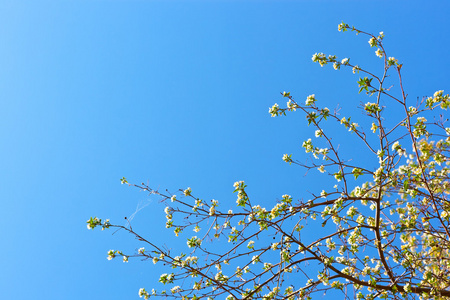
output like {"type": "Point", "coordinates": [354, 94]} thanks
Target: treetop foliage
{"type": "Point", "coordinates": [381, 230]}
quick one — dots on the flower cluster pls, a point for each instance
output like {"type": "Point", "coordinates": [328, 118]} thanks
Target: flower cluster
{"type": "Point", "coordinates": [392, 61]}
{"type": "Point", "coordinates": [194, 242]}
{"type": "Point", "coordinates": [348, 124]}
{"type": "Point", "coordinates": [275, 110]}
{"type": "Point", "coordinates": [111, 254]}
{"type": "Point", "coordinates": [212, 208]}
{"type": "Point", "coordinates": [310, 100]}
{"type": "Point", "coordinates": [239, 188]}
{"type": "Point", "coordinates": [320, 58]}
{"type": "Point", "coordinates": [343, 27]}
{"type": "Point", "coordinates": [438, 98]}
{"type": "Point", "coordinates": [94, 222]}
{"type": "Point", "coordinates": [379, 53]}
{"type": "Point", "coordinates": [292, 106]}
{"type": "Point", "coordinates": [287, 158]}
{"type": "Point", "coordinates": [372, 108]}
{"type": "Point", "coordinates": [143, 293]}
{"type": "Point", "coordinates": [169, 216]}
{"type": "Point", "coordinates": [187, 192]}
{"type": "Point", "coordinates": [166, 278]}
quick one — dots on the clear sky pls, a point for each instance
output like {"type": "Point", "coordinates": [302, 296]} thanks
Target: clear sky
{"type": "Point", "coordinates": [174, 93]}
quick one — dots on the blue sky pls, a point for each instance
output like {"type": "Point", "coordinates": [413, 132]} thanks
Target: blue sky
{"type": "Point", "coordinates": [174, 93]}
